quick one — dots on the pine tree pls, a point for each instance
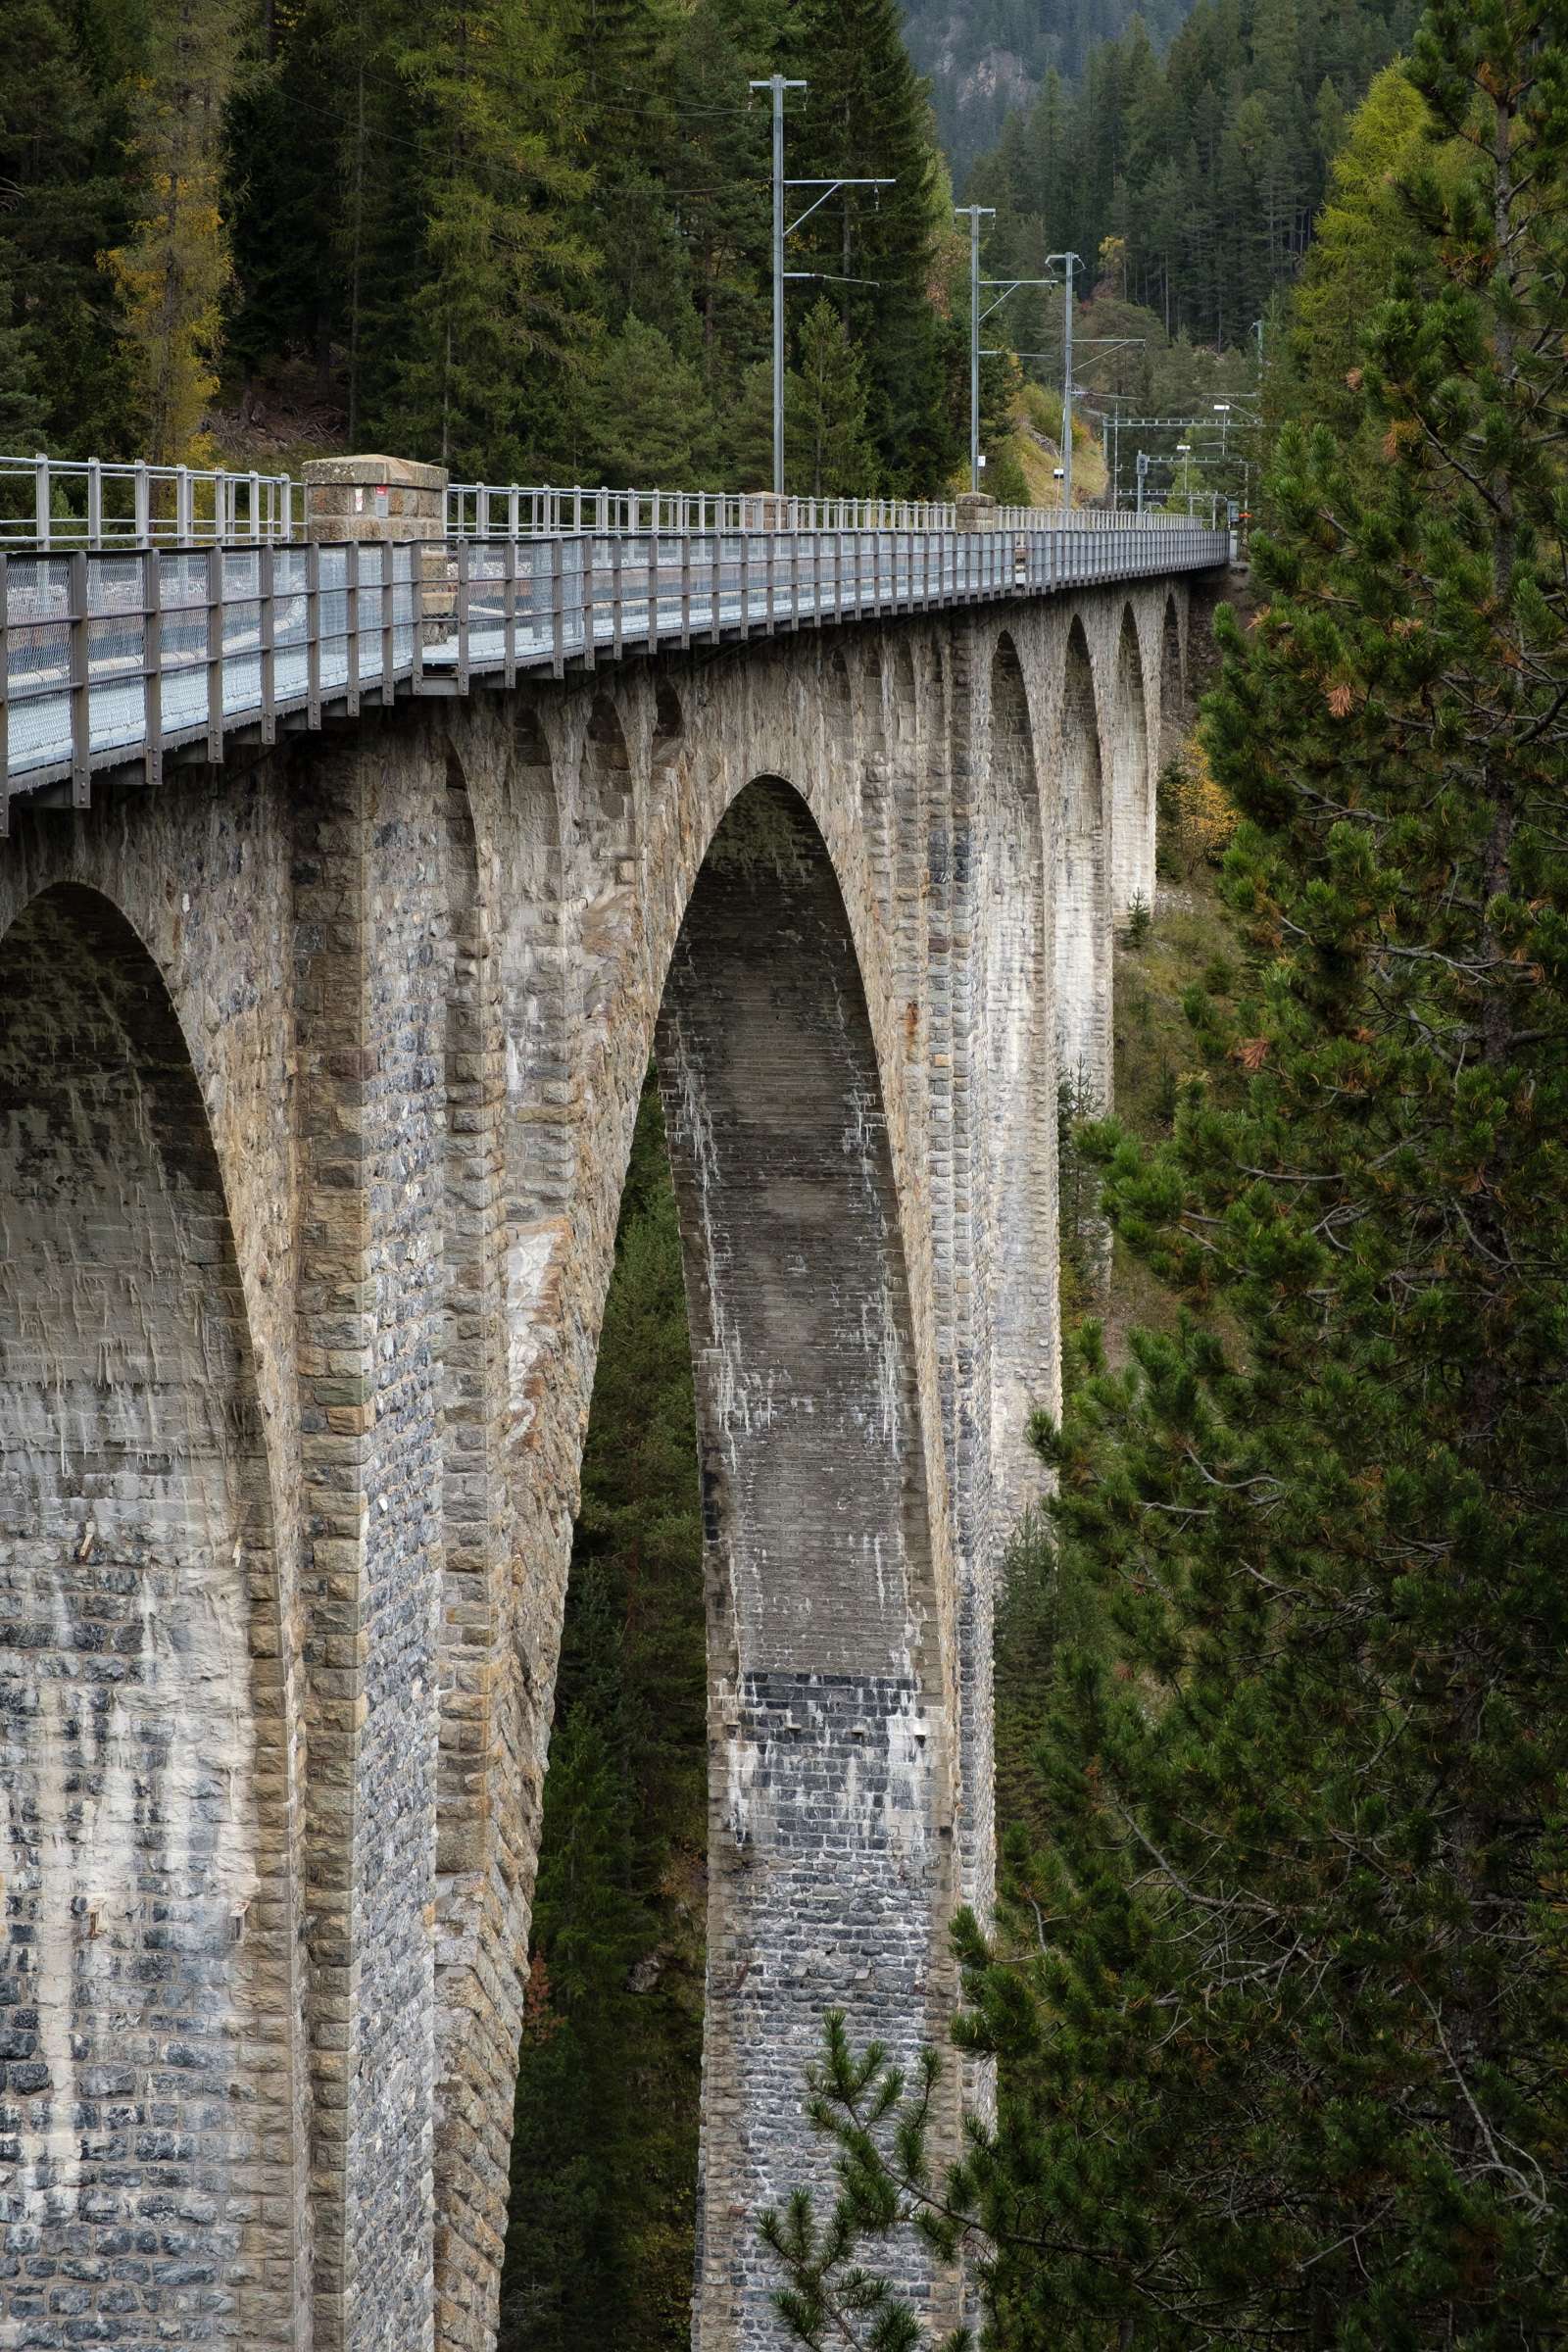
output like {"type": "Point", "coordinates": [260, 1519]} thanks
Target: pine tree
{"type": "Point", "coordinates": [171, 274]}
{"type": "Point", "coordinates": [651, 425]}
{"type": "Point", "coordinates": [1283, 2015]}
{"type": "Point", "coordinates": [24, 405]}
{"type": "Point", "coordinates": [287, 170]}
{"type": "Point", "coordinates": [489, 314]}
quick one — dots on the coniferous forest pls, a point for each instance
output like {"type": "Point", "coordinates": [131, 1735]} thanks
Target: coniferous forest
{"type": "Point", "coordinates": [1277, 1993]}
{"type": "Point", "coordinates": [532, 241]}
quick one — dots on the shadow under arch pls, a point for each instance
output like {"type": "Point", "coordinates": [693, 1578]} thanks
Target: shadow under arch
{"type": "Point", "coordinates": [830, 1765]}
{"type": "Point", "coordinates": [1022, 1120]}
{"type": "Point", "coordinates": [829, 1770]}
{"type": "Point", "coordinates": [670, 723]}
{"type": "Point", "coordinates": [1083, 964]}
{"type": "Point", "coordinates": [144, 1741]}
{"type": "Point", "coordinates": [1132, 800]}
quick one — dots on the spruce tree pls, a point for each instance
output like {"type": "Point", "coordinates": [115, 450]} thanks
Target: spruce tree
{"type": "Point", "coordinates": [489, 313]}
{"type": "Point", "coordinates": [171, 272]}
{"type": "Point", "coordinates": [827, 438]}
{"type": "Point", "coordinates": [1282, 2006]}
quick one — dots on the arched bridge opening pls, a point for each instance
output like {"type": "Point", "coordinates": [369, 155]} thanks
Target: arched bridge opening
{"type": "Point", "coordinates": [148, 1969]}
{"type": "Point", "coordinates": [829, 1804]}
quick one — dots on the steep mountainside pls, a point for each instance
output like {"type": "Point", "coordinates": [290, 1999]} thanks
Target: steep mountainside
{"type": "Point", "coordinates": [985, 56]}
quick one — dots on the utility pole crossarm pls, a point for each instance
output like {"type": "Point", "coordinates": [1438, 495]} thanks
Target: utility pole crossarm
{"type": "Point", "coordinates": [1010, 285]}
{"type": "Point", "coordinates": [829, 187]}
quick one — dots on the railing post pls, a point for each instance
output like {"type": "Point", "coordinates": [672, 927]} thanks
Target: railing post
{"type": "Point", "coordinates": [184, 528]}
{"type": "Point", "coordinates": [215, 655]}
{"type": "Point", "coordinates": [312, 632]}
{"type": "Point", "coordinates": [40, 501]}
{"type": "Point", "coordinates": [463, 611]}
{"type": "Point", "coordinates": [685, 588]}
{"type": "Point", "coordinates": [416, 614]}
{"type": "Point", "coordinates": [509, 601]}
{"type": "Point", "coordinates": [590, 643]}
{"type": "Point", "coordinates": [351, 609]}
{"type": "Point", "coordinates": [152, 661]}
{"type": "Point", "coordinates": [389, 640]}
{"type": "Point", "coordinates": [558, 606]}
{"type": "Point", "coordinates": [142, 503]}
{"type": "Point", "coordinates": [266, 632]}
{"type": "Point", "coordinates": [80, 690]}
{"type": "Point", "coordinates": [95, 502]}
{"type": "Point", "coordinates": [5, 703]}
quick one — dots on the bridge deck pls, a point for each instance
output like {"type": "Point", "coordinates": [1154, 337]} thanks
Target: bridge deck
{"type": "Point", "coordinates": [107, 659]}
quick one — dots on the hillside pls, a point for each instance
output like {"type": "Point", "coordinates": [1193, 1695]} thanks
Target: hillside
{"type": "Point", "coordinates": [985, 57]}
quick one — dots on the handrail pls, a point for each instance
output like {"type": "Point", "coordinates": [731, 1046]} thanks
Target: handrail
{"type": "Point", "coordinates": [112, 656]}
{"type": "Point", "coordinates": [95, 503]}
{"type": "Point", "coordinates": [517, 510]}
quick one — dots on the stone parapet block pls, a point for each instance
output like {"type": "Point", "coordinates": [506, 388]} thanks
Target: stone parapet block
{"type": "Point", "coordinates": [375, 498]}
{"type": "Point", "coordinates": [976, 511]}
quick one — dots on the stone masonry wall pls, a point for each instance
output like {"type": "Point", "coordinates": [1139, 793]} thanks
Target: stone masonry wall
{"type": "Point", "coordinates": [317, 1084]}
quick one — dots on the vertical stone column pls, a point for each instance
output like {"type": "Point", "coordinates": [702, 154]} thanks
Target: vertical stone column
{"type": "Point", "coordinates": [370, 916]}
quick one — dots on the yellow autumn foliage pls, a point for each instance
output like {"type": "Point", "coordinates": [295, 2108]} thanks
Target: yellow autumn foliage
{"type": "Point", "coordinates": [1197, 818]}
{"type": "Point", "coordinates": [170, 274]}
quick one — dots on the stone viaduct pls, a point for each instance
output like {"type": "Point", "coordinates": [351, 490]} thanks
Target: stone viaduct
{"type": "Point", "coordinates": [318, 1077]}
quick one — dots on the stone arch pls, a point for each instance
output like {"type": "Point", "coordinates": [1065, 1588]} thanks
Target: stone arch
{"type": "Point", "coordinates": [830, 1799]}
{"type": "Point", "coordinates": [1083, 967]}
{"type": "Point", "coordinates": [145, 1733]}
{"type": "Point", "coordinates": [670, 722]}
{"type": "Point", "coordinates": [1021, 1119]}
{"type": "Point", "coordinates": [1132, 798]}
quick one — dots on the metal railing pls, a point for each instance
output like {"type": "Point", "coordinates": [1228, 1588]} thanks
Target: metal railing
{"type": "Point", "coordinates": [48, 502]}
{"type": "Point", "coordinates": [55, 501]}
{"type": "Point", "coordinates": [111, 658]}
{"type": "Point", "coordinates": [513, 509]}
